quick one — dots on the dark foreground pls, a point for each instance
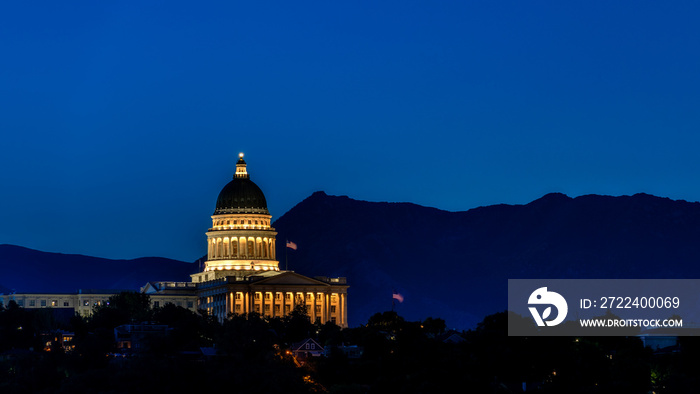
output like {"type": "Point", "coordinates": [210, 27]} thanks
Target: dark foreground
{"type": "Point", "coordinates": [255, 355]}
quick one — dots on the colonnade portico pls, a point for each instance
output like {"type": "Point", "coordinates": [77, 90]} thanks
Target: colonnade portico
{"type": "Point", "coordinates": [275, 296]}
{"type": "Point", "coordinates": [319, 306]}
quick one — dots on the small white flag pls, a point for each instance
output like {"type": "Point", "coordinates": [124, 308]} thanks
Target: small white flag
{"type": "Point", "coordinates": [291, 245]}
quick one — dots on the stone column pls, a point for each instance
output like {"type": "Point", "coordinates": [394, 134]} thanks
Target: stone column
{"type": "Point", "coordinates": [343, 310]}
{"type": "Point", "coordinates": [262, 303]}
{"type": "Point", "coordinates": [312, 311]}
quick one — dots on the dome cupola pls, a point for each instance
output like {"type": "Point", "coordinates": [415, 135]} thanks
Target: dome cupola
{"type": "Point", "coordinates": [241, 195]}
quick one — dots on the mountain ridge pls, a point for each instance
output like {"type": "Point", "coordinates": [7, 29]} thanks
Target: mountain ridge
{"type": "Point", "coordinates": [452, 265]}
{"type": "Point", "coordinates": [28, 270]}
{"type": "Point", "coordinates": [428, 254]}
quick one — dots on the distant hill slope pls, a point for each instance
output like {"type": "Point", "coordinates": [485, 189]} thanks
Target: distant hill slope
{"type": "Point", "coordinates": [455, 265]}
{"type": "Point", "coordinates": [452, 265]}
{"type": "Point", "coordinates": [28, 270]}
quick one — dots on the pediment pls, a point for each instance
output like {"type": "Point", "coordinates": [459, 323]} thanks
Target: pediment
{"type": "Point", "coordinates": [149, 288]}
{"type": "Point", "coordinates": [290, 278]}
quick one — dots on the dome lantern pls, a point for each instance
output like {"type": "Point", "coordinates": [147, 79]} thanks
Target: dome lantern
{"type": "Point", "coordinates": [241, 171]}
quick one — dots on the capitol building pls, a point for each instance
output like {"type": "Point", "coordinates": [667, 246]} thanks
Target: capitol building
{"type": "Point", "coordinates": [241, 274]}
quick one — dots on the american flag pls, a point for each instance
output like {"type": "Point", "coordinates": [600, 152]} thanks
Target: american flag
{"type": "Point", "coordinates": [397, 296]}
{"type": "Point", "coordinates": [291, 245]}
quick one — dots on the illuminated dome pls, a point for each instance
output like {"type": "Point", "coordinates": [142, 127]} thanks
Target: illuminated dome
{"type": "Point", "coordinates": [241, 195]}
{"type": "Point", "coordinates": [241, 238]}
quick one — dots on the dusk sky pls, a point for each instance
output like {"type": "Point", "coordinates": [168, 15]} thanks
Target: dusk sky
{"type": "Point", "coordinates": [122, 121]}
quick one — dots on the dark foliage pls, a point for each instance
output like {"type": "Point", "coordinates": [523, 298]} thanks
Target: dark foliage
{"type": "Point", "coordinates": [398, 356]}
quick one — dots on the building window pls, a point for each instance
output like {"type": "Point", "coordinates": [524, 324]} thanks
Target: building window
{"type": "Point", "coordinates": [277, 309]}
{"type": "Point", "coordinates": [286, 309]}
{"type": "Point", "coordinates": [66, 303]}
{"type": "Point", "coordinates": [318, 308]}
{"type": "Point", "coordinates": [332, 308]}
{"type": "Point", "coordinates": [238, 307]}
{"type": "Point", "coordinates": [86, 303]}
{"type": "Point", "coordinates": [257, 308]}
{"type": "Point", "coordinates": [43, 302]}
{"type": "Point", "coordinates": [54, 303]}
{"type": "Point", "coordinates": [289, 296]}
{"type": "Point", "coordinates": [333, 320]}
{"type": "Point", "coordinates": [267, 308]}
{"type": "Point", "coordinates": [257, 296]}
{"type": "Point", "coordinates": [268, 296]}
{"type": "Point", "coordinates": [278, 296]}
{"type": "Point", "coordinates": [334, 298]}
{"type": "Point", "coordinates": [239, 296]}
{"type": "Point", "coordinates": [32, 302]}
{"type": "Point", "coordinates": [20, 302]}
{"type": "Point", "coordinates": [156, 304]}
{"type": "Point", "coordinates": [190, 304]}
{"type": "Point", "coordinates": [308, 346]}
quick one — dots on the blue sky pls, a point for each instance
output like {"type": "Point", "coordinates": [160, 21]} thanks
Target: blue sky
{"type": "Point", "coordinates": [121, 121]}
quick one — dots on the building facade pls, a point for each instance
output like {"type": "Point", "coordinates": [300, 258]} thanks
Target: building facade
{"type": "Point", "coordinates": [84, 301]}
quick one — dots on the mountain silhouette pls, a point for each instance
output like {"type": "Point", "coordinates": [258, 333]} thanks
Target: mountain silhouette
{"type": "Point", "coordinates": [455, 265]}
{"type": "Point", "coordinates": [451, 265]}
{"type": "Point", "coordinates": [26, 270]}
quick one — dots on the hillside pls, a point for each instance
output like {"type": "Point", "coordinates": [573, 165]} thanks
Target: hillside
{"type": "Point", "coordinates": [28, 270]}
{"type": "Point", "coordinates": [455, 265]}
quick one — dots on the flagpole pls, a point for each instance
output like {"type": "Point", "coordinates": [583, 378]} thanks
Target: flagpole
{"type": "Point", "coordinates": [286, 261]}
